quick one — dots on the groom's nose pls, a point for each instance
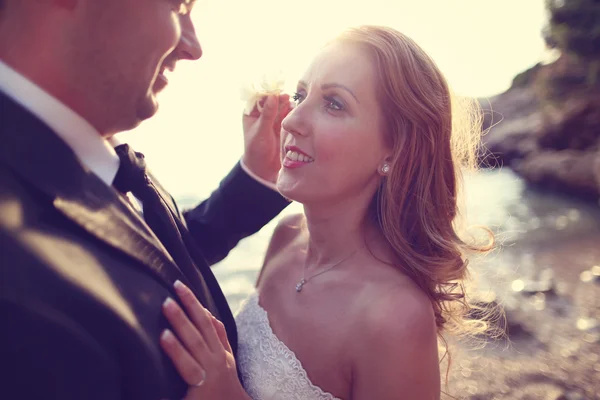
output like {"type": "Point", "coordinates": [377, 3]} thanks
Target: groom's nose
{"type": "Point", "coordinates": [189, 47]}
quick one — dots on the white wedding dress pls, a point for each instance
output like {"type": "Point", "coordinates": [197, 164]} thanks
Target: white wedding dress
{"type": "Point", "coordinates": [269, 368]}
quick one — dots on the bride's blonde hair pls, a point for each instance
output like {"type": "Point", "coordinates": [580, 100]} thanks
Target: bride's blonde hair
{"type": "Point", "coordinates": [434, 136]}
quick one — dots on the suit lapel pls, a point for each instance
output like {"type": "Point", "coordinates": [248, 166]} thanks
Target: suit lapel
{"type": "Point", "coordinates": [206, 280]}
{"type": "Point", "coordinates": [101, 212]}
{"type": "Point", "coordinates": [40, 157]}
{"type": "Point", "coordinates": [203, 279]}
{"type": "Point", "coordinates": [167, 199]}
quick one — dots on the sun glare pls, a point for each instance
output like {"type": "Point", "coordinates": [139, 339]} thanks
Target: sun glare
{"type": "Point", "coordinates": [480, 45]}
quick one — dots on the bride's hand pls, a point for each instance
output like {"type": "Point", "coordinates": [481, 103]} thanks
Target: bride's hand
{"type": "Point", "coordinates": [199, 349]}
{"type": "Point", "coordinates": [262, 129]}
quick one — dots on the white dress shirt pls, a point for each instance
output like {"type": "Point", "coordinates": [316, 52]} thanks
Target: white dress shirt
{"type": "Point", "coordinates": [92, 149]}
{"type": "Point", "coordinates": [89, 146]}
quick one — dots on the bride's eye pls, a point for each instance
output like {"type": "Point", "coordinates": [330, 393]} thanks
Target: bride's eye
{"type": "Point", "coordinates": [298, 97]}
{"type": "Point", "coordinates": [334, 104]}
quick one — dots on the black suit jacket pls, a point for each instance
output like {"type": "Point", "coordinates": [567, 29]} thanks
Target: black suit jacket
{"type": "Point", "coordinates": [82, 277]}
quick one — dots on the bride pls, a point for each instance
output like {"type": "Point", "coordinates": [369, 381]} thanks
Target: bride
{"type": "Point", "coordinates": [355, 293]}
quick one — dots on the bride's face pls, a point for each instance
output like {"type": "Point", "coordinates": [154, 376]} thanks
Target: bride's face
{"type": "Point", "coordinates": [332, 142]}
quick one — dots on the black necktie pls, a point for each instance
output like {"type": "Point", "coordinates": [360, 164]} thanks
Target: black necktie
{"type": "Point", "coordinates": [132, 177]}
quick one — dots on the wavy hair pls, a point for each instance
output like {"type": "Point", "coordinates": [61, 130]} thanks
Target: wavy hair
{"type": "Point", "coordinates": [434, 136]}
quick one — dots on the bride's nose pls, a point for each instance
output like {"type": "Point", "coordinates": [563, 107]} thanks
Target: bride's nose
{"type": "Point", "coordinates": [296, 122]}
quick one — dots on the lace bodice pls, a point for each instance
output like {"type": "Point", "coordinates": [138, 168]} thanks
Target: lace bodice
{"type": "Point", "coordinates": [269, 368]}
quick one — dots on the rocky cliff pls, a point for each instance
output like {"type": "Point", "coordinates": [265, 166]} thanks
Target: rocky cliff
{"type": "Point", "coordinates": [546, 128]}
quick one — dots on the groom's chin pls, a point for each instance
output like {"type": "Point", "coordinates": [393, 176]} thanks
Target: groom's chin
{"type": "Point", "coordinates": [147, 108]}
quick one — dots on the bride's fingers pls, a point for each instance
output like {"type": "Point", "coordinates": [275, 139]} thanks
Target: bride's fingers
{"type": "Point", "coordinates": [285, 106]}
{"type": "Point", "coordinates": [222, 334]}
{"type": "Point", "coordinates": [284, 101]}
{"type": "Point", "coordinates": [189, 369]}
{"type": "Point", "coordinates": [191, 337]}
{"type": "Point", "coordinates": [201, 318]}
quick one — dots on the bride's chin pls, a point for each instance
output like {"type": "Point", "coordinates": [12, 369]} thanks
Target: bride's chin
{"type": "Point", "coordinates": [290, 191]}
{"type": "Point", "coordinates": [286, 193]}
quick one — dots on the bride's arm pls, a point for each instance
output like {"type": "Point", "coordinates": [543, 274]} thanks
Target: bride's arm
{"type": "Point", "coordinates": [396, 353]}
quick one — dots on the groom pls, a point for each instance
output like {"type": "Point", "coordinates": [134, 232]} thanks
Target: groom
{"type": "Point", "coordinates": [90, 244]}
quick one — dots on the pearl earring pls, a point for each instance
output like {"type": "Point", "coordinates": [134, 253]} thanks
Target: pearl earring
{"type": "Point", "coordinates": [385, 168]}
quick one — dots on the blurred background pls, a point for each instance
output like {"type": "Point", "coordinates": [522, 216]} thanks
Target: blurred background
{"type": "Point", "coordinates": [534, 66]}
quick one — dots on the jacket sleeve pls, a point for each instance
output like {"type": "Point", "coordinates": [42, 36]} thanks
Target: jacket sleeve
{"type": "Point", "coordinates": [238, 208]}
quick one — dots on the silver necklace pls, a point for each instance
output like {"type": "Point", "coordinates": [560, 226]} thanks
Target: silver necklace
{"type": "Point", "coordinates": [305, 280]}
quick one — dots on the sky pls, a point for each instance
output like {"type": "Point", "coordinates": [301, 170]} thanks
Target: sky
{"type": "Point", "coordinates": [196, 136]}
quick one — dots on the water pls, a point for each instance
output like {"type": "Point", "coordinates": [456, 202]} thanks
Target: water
{"type": "Point", "coordinates": [535, 231]}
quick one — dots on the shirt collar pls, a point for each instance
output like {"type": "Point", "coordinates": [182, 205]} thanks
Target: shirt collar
{"type": "Point", "coordinates": [94, 151]}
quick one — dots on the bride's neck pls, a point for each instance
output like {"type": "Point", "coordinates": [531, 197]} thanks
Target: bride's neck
{"type": "Point", "coordinates": [334, 233]}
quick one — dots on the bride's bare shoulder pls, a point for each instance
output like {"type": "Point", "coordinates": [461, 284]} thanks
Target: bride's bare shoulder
{"type": "Point", "coordinates": [288, 229]}
{"type": "Point", "coordinates": [390, 297]}
{"type": "Point", "coordinates": [397, 337]}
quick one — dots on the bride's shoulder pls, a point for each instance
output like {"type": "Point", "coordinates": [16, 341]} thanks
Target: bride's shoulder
{"type": "Point", "coordinates": [291, 223]}
{"type": "Point", "coordinates": [395, 347]}
{"type": "Point", "coordinates": [287, 230]}
{"type": "Point", "coordinates": [398, 312]}
{"type": "Point", "coordinates": [398, 299]}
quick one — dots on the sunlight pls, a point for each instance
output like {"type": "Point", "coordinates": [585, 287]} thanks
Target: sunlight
{"type": "Point", "coordinates": [196, 137]}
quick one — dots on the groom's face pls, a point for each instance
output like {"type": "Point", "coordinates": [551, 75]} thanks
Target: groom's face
{"type": "Point", "coordinates": [126, 47]}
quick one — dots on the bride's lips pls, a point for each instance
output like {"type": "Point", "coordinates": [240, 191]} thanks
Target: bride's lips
{"type": "Point", "coordinates": [295, 158]}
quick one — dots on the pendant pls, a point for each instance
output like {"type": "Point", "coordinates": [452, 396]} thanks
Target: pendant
{"type": "Point", "coordinates": [299, 285]}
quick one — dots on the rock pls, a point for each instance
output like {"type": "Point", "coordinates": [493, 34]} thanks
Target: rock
{"type": "Point", "coordinates": [575, 126]}
{"type": "Point", "coordinates": [527, 77]}
{"type": "Point", "coordinates": [511, 105]}
{"type": "Point", "coordinates": [590, 325]}
{"type": "Point", "coordinates": [508, 122]}
{"type": "Point", "coordinates": [569, 171]}
{"type": "Point", "coordinates": [571, 395]}
{"type": "Point", "coordinates": [553, 143]}
{"type": "Point", "coordinates": [539, 390]}
{"type": "Point", "coordinates": [513, 147]}
{"type": "Point", "coordinates": [591, 275]}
